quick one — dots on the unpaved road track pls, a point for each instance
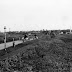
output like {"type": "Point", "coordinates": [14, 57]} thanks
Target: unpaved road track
{"type": "Point", "coordinates": [8, 44]}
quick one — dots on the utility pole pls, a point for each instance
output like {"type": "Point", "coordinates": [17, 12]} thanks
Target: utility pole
{"type": "Point", "coordinates": [70, 29]}
{"type": "Point", "coordinates": [9, 29]}
{"type": "Point", "coordinates": [5, 37]}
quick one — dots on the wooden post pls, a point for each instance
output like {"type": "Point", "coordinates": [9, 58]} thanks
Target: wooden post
{"type": "Point", "coordinates": [5, 37]}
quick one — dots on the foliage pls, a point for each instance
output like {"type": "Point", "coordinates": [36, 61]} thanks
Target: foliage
{"type": "Point", "coordinates": [51, 55]}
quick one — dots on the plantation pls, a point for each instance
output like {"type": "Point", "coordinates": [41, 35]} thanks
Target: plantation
{"type": "Point", "coordinates": [44, 55]}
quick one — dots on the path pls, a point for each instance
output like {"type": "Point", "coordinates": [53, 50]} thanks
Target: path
{"type": "Point", "coordinates": [8, 44]}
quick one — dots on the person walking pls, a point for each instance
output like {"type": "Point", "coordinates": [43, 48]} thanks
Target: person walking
{"type": "Point", "coordinates": [13, 43]}
{"type": "Point", "coordinates": [36, 36]}
{"type": "Point", "coordinates": [25, 37]}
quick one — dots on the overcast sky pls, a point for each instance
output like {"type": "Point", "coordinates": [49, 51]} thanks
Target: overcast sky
{"type": "Point", "coordinates": [35, 14]}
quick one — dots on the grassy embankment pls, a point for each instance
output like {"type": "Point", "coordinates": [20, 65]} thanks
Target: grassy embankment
{"type": "Point", "coordinates": [44, 55]}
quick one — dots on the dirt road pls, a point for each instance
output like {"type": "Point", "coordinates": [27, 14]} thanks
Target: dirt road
{"type": "Point", "coordinates": [9, 44]}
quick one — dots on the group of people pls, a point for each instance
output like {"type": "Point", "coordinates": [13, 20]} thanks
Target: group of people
{"type": "Point", "coordinates": [26, 37]}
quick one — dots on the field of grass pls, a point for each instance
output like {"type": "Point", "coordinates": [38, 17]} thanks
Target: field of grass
{"type": "Point", "coordinates": [43, 55]}
{"type": "Point", "coordinates": [66, 38]}
{"type": "Point", "coordinates": [9, 37]}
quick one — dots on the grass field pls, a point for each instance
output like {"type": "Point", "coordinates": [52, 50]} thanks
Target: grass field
{"type": "Point", "coordinates": [43, 55]}
{"type": "Point", "coordinates": [9, 37]}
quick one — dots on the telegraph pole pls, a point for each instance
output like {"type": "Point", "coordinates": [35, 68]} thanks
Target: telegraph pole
{"type": "Point", "coordinates": [5, 37]}
{"type": "Point", "coordinates": [9, 29]}
{"type": "Point", "coordinates": [70, 29]}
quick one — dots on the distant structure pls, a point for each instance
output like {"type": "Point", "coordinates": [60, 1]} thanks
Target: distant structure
{"type": "Point", "coordinates": [9, 29]}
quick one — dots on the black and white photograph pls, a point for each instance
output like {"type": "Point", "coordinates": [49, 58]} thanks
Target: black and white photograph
{"type": "Point", "coordinates": [35, 35]}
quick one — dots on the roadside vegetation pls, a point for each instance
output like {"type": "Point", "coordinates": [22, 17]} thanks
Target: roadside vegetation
{"type": "Point", "coordinates": [44, 55]}
{"type": "Point", "coordinates": [9, 37]}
